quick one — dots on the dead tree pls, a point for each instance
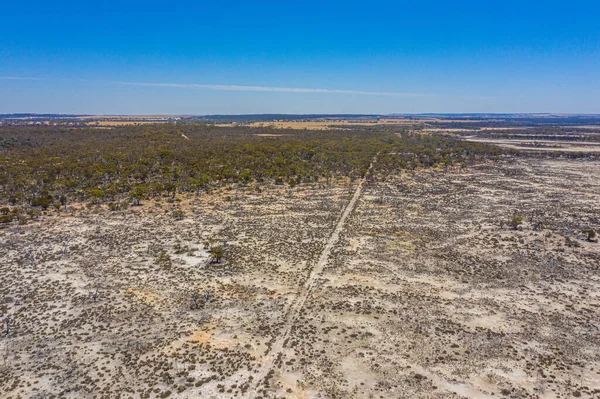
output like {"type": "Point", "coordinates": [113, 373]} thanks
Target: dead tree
{"type": "Point", "coordinates": [195, 298]}
{"type": "Point", "coordinates": [95, 294]}
{"type": "Point", "coordinates": [8, 322]}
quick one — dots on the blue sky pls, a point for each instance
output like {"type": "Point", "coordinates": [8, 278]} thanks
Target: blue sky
{"type": "Point", "coordinates": [300, 57]}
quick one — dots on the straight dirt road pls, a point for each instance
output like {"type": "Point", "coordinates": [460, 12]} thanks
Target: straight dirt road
{"type": "Point", "coordinates": [273, 356]}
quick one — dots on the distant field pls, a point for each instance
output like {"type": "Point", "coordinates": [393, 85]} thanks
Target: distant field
{"type": "Point", "coordinates": [123, 120]}
{"type": "Point", "coordinates": [122, 123]}
{"type": "Point", "coordinates": [324, 125]}
{"type": "Point", "coordinates": [124, 117]}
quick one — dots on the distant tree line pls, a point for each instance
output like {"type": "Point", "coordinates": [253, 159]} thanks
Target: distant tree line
{"type": "Point", "coordinates": [49, 166]}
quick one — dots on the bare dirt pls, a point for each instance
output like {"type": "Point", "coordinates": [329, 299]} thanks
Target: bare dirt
{"type": "Point", "coordinates": [412, 285]}
{"type": "Point", "coordinates": [541, 145]}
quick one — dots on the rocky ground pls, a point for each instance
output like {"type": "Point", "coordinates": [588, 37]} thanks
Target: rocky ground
{"type": "Point", "coordinates": [404, 286]}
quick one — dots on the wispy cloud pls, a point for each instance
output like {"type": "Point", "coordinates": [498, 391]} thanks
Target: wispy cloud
{"type": "Point", "coordinates": [272, 89]}
{"type": "Point", "coordinates": [239, 87]}
{"type": "Point", "coordinates": [19, 78]}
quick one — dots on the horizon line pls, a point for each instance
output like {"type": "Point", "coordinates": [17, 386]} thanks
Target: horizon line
{"type": "Point", "coordinates": [393, 114]}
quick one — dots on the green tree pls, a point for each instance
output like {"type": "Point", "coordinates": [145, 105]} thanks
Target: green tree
{"type": "Point", "coordinates": [96, 195]}
{"type": "Point", "coordinates": [591, 235]}
{"type": "Point", "coordinates": [516, 222]}
{"type": "Point", "coordinates": [216, 253]}
{"type": "Point", "coordinates": [245, 177]}
{"type": "Point", "coordinates": [138, 193]}
{"type": "Point", "coordinates": [43, 202]}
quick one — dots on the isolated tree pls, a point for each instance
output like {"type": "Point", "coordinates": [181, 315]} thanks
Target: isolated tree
{"type": "Point", "coordinates": [7, 323]}
{"type": "Point", "coordinates": [591, 235]}
{"type": "Point", "coordinates": [195, 298]}
{"type": "Point", "coordinates": [94, 295]}
{"type": "Point", "coordinates": [516, 222]}
{"type": "Point", "coordinates": [216, 253]}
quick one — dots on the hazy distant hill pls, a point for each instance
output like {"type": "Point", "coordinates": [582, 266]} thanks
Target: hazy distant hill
{"type": "Point", "coordinates": [36, 116]}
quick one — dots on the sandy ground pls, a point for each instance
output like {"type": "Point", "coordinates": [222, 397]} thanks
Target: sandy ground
{"type": "Point", "coordinates": [411, 286]}
{"type": "Point", "coordinates": [541, 145]}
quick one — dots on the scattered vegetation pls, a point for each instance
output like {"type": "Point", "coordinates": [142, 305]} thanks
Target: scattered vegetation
{"type": "Point", "coordinates": [163, 259]}
{"type": "Point", "coordinates": [426, 289]}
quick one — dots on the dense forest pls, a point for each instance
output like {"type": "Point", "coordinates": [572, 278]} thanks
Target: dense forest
{"type": "Point", "coordinates": [48, 166]}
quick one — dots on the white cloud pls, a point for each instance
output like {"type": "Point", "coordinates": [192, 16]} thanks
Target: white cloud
{"type": "Point", "coordinates": [270, 89]}
{"type": "Point", "coordinates": [239, 87]}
